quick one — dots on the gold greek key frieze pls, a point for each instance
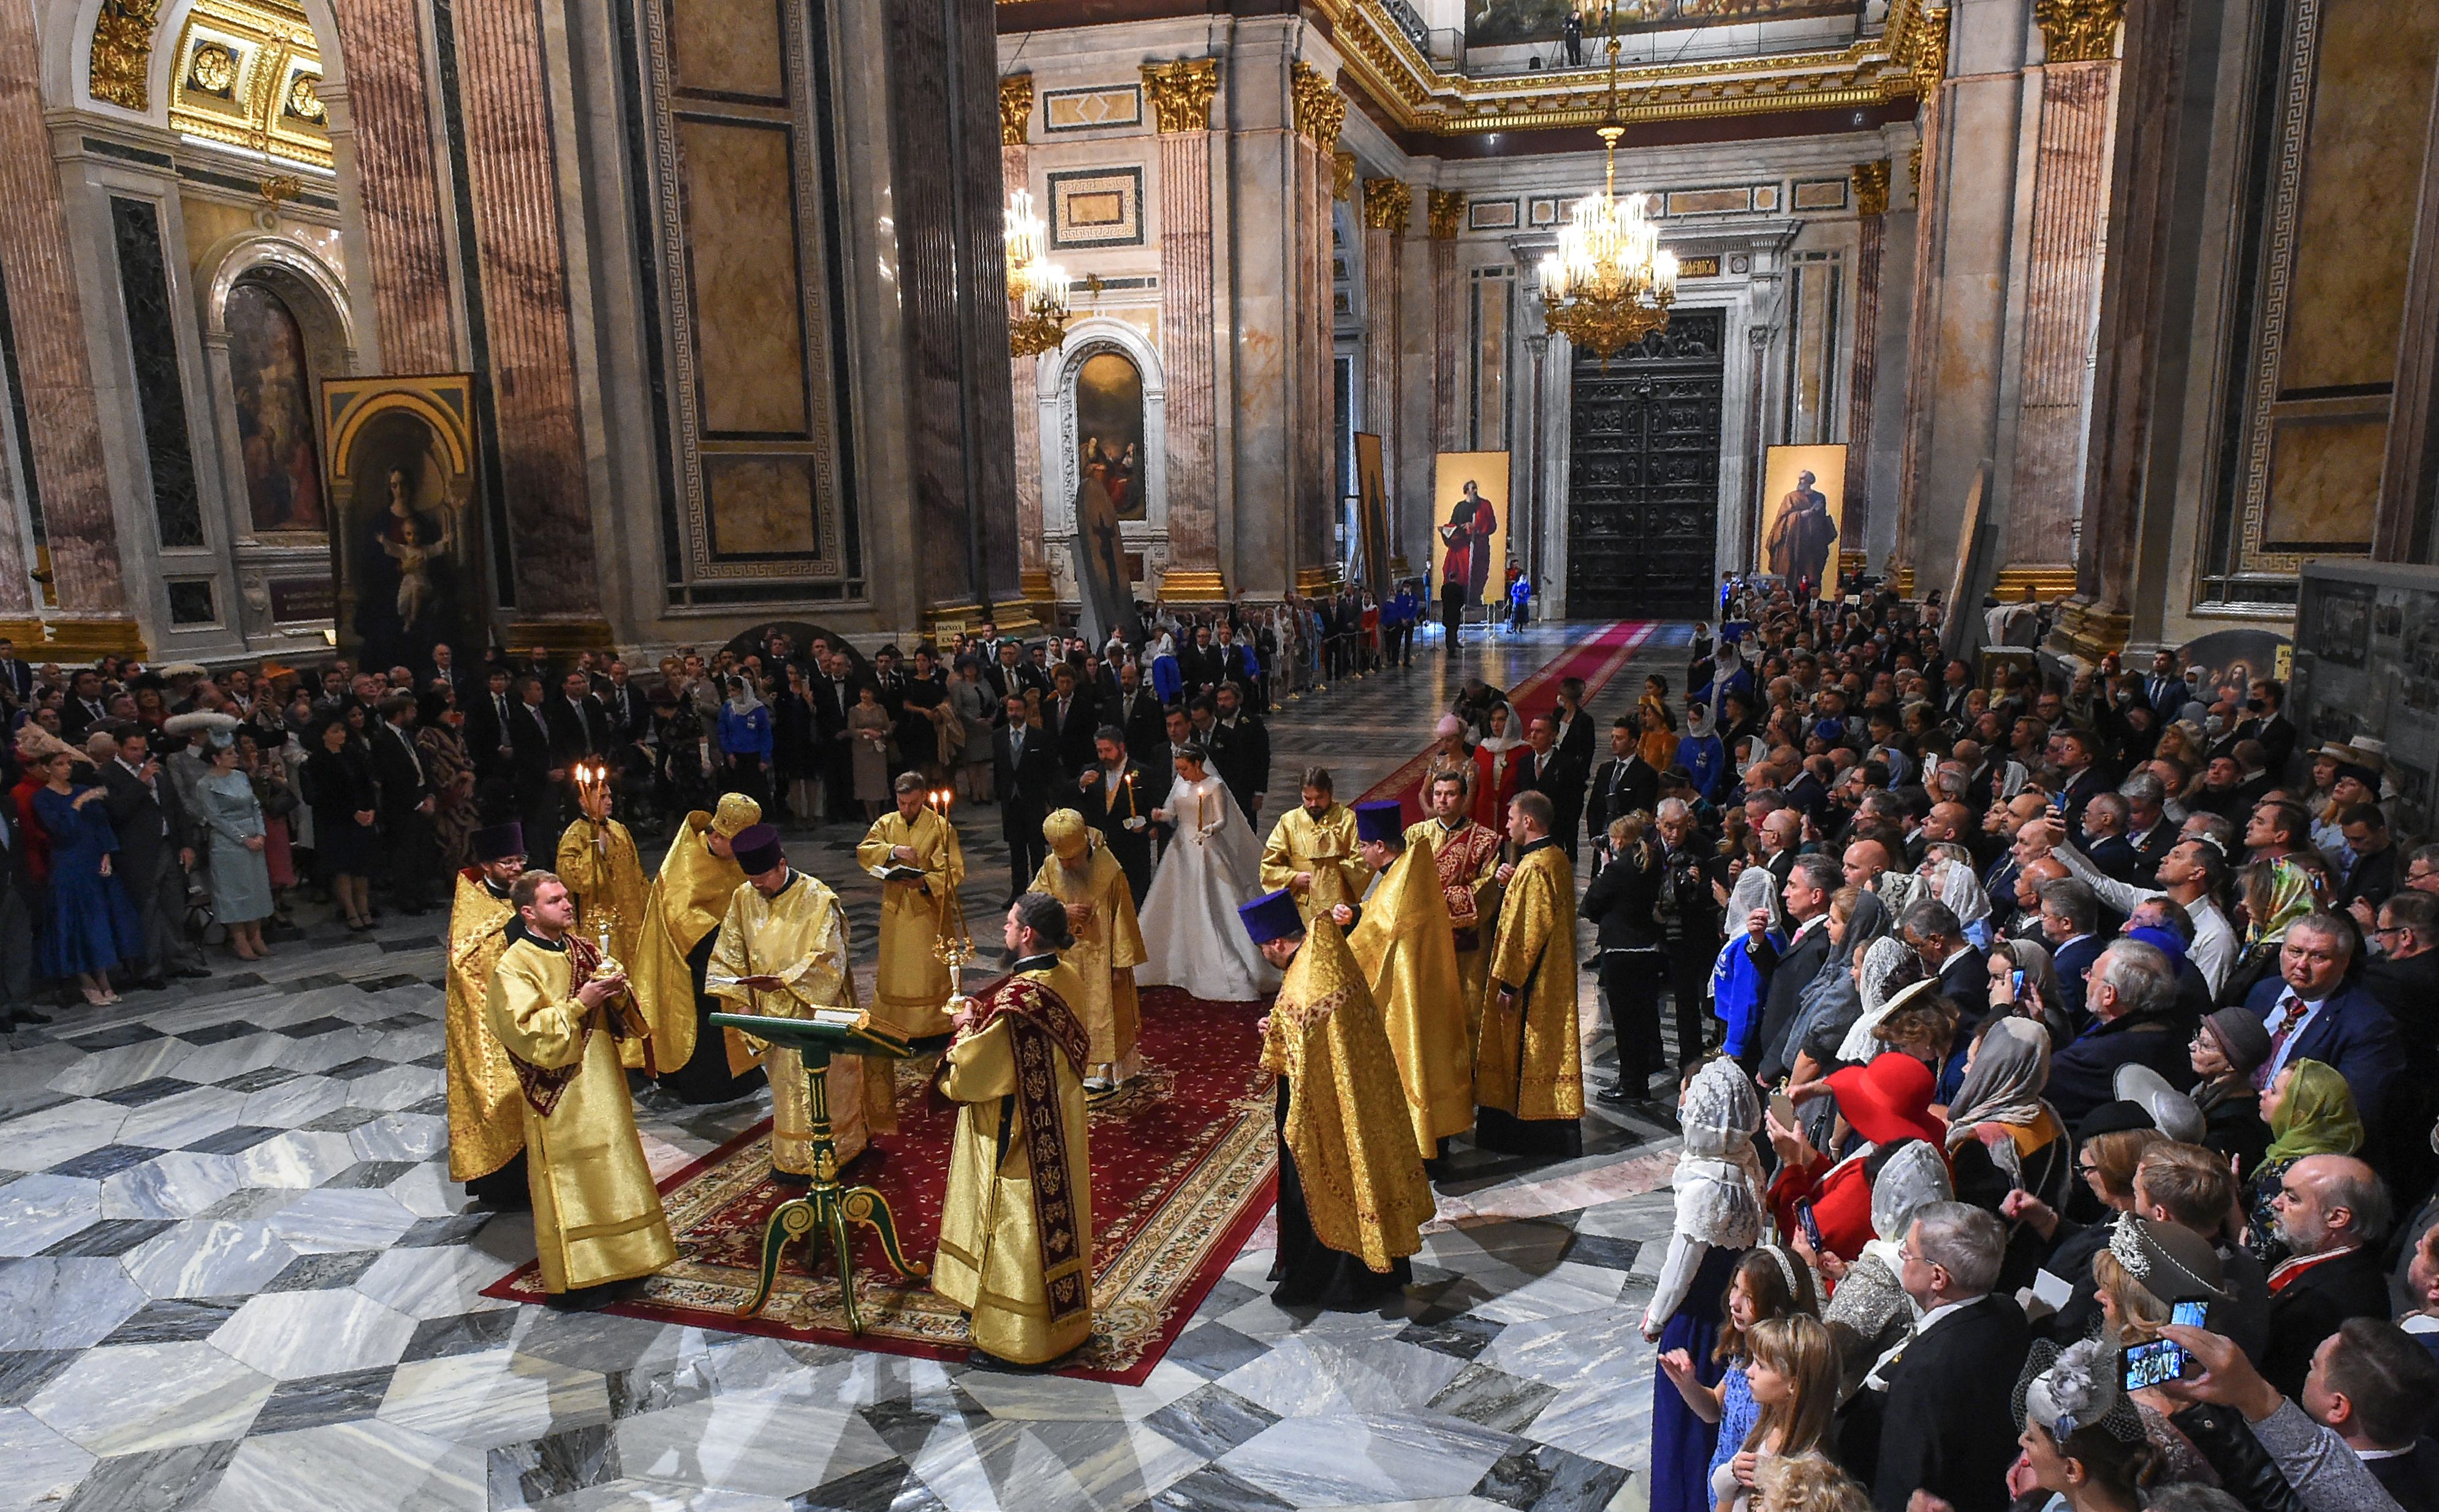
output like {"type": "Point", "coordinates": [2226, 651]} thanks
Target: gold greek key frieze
{"type": "Point", "coordinates": [1872, 187]}
{"type": "Point", "coordinates": [1447, 208]}
{"type": "Point", "coordinates": [1386, 205]}
{"type": "Point", "coordinates": [1015, 108]}
{"type": "Point", "coordinates": [1182, 92]}
{"type": "Point", "coordinates": [2079, 31]}
{"type": "Point", "coordinates": [1320, 109]}
{"type": "Point", "coordinates": [122, 52]}
{"type": "Point", "coordinates": [1342, 176]}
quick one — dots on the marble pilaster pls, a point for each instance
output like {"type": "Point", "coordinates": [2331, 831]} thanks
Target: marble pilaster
{"type": "Point", "coordinates": [405, 237]}
{"type": "Point", "coordinates": [1015, 161]}
{"type": "Point", "coordinates": [1320, 114]}
{"type": "Point", "coordinates": [62, 415]}
{"type": "Point", "coordinates": [2402, 527]}
{"type": "Point", "coordinates": [1181, 95]}
{"type": "Point", "coordinates": [1447, 321]}
{"type": "Point", "coordinates": [518, 235]}
{"type": "Point", "coordinates": [1872, 206]}
{"type": "Point", "coordinates": [1387, 205]}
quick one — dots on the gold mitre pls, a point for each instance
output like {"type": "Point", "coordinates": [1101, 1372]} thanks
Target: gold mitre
{"type": "Point", "coordinates": [736, 812]}
{"type": "Point", "coordinates": [1066, 833]}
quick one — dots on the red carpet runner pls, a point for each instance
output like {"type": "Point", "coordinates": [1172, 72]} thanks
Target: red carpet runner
{"type": "Point", "coordinates": [1598, 661]}
{"type": "Point", "coordinates": [1182, 1173]}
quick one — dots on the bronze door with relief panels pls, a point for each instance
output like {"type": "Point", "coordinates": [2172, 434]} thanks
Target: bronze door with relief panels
{"type": "Point", "coordinates": [1642, 501]}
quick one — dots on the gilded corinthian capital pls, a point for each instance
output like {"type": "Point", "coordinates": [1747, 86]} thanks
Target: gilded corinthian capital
{"type": "Point", "coordinates": [1447, 206]}
{"type": "Point", "coordinates": [2079, 31]}
{"type": "Point", "coordinates": [1015, 108]}
{"type": "Point", "coordinates": [1320, 109]}
{"type": "Point", "coordinates": [1386, 204]}
{"type": "Point", "coordinates": [1872, 187]}
{"type": "Point", "coordinates": [1181, 92]}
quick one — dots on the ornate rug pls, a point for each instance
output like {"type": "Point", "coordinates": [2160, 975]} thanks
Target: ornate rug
{"type": "Point", "coordinates": [1185, 1168]}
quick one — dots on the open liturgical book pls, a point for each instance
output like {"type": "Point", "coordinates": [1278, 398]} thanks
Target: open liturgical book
{"type": "Point", "coordinates": [899, 873]}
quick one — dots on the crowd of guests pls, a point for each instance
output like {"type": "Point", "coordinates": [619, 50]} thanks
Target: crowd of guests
{"type": "Point", "coordinates": [2054, 1067]}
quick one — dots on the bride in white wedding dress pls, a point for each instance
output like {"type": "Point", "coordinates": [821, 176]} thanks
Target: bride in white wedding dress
{"type": "Point", "coordinates": [1192, 937]}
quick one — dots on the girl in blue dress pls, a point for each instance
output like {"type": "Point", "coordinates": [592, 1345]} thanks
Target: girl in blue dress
{"type": "Point", "coordinates": [89, 926]}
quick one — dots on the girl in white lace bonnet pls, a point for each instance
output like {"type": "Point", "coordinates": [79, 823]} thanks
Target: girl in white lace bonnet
{"type": "Point", "coordinates": [1717, 1184]}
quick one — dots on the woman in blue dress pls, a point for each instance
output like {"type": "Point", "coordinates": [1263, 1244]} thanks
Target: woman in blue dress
{"type": "Point", "coordinates": [1703, 754]}
{"type": "Point", "coordinates": [240, 877]}
{"type": "Point", "coordinates": [89, 926]}
{"type": "Point", "coordinates": [746, 741]}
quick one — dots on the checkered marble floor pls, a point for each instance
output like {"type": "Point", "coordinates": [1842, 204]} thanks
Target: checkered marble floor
{"type": "Point", "coordinates": [234, 1276]}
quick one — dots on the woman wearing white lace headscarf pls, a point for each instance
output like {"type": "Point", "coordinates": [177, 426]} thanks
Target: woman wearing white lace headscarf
{"type": "Point", "coordinates": [1717, 1185]}
{"type": "Point", "coordinates": [1869, 1312]}
{"type": "Point", "coordinates": [1949, 868]}
{"type": "Point", "coordinates": [1735, 983]}
{"type": "Point", "coordinates": [1887, 967]}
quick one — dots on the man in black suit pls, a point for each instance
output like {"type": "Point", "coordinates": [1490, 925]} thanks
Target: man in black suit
{"type": "Point", "coordinates": [2164, 689]}
{"type": "Point", "coordinates": [1006, 672]}
{"type": "Point", "coordinates": [1625, 784]}
{"type": "Point", "coordinates": [1244, 752]}
{"type": "Point", "coordinates": [2070, 920]}
{"type": "Point", "coordinates": [1945, 1425]}
{"type": "Point", "coordinates": [1068, 720]}
{"type": "Point", "coordinates": [1932, 932]}
{"type": "Point", "coordinates": [86, 705]}
{"type": "Point", "coordinates": [2135, 1020]}
{"type": "Point", "coordinates": [405, 807]}
{"type": "Point", "coordinates": [2332, 1212]}
{"type": "Point", "coordinates": [1785, 973]}
{"type": "Point", "coordinates": [622, 705]}
{"type": "Point", "coordinates": [2078, 760]}
{"type": "Point", "coordinates": [578, 725]}
{"type": "Point", "coordinates": [447, 669]}
{"type": "Point", "coordinates": [2265, 721]}
{"type": "Point", "coordinates": [1200, 664]}
{"type": "Point", "coordinates": [1238, 663]}
{"type": "Point", "coordinates": [1553, 773]}
{"type": "Point", "coordinates": [2104, 838]}
{"type": "Point", "coordinates": [1116, 796]}
{"type": "Point", "coordinates": [156, 846]}
{"type": "Point", "coordinates": [534, 771]}
{"type": "Point", "coordinates": [1024, 777]}
{"type": "Point", "coordinates": [2147, 828]}
{"type": "Point", "coordinates": [16, 677]}
{"type": "Point", "coordinates": [833, 695]}
{"type": "Point", "coordinates": [1137, 712]}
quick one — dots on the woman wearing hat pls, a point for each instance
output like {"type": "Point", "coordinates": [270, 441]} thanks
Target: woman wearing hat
{"type": "Point", "coordinates": [1883, 1102]}
{"type": "Point", "coordinates": [2084, 1443]}
{"type": "Point", "coordinates": [2227, 1048]}
{"type": "Point", "coordinates": [239, 875]}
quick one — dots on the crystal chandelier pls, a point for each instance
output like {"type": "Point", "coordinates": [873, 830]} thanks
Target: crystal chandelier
{"type": "Point", "coordinates": [1036, 286]}
{"type": "Point", "coordinates": [1608, 284]}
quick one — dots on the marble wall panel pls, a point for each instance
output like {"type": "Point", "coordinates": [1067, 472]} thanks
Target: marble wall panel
{"type": "Point", "coordinates": [732, 47]}
{"type": "Point", "coordinates": [405, 239]}
{"type": "Point", "coordinates": [1187, 320]}
{"type": "Point", "coordinates": [762, 506]}
{"type": "Point", "coordinates": [160, 396]}
{"type": "Point", "coordinates": [749, 328]}
{"type": "Point", "coordinates": [2323, 482]}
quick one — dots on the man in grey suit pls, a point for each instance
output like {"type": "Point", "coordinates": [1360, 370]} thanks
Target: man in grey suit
{"type": "Point", "coordinates": [156, 846]}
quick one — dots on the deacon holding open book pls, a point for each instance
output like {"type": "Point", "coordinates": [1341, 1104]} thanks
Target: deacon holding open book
{"type": "Point", "coordinates": [1016, 1228]}
{"type": "Point", "coordinates": [782, 954]}
{"type": "Point", "coordinates": [914, 850]}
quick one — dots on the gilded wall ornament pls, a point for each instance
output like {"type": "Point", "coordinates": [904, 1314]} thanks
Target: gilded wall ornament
{"type": "Point", "coordinates": [1181, 92]}
{"type": "Point", "coordinates": [1342, 176]}
{"type": "Point", "coordinates": [1320, 109]}
{"type": "Point", "coordinates": [1913, 169]}
{"type": "Point", "coordinates": [1015, 108]}
{"type": "Point", "coordinates": [1872, 187]}
{"type": "Point", "coordinates": [122, 52]}
{"type": "Point", "coordinates": [1386, 204]}
{"type": "Point", "coordinates": [305, 100]}
{"type": "Point", "coordinates": [2079, 31]}
{"type": "Point", "coordinates": [1447, 208]}
{"type": "Point", "coordinates": [213, 68]}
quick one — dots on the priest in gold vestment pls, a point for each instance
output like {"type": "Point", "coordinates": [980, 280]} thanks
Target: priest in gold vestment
{"type": "Point", "coordinates": [487, 1132]}
{"type": "Point", "coordinates": [1016, 1227]}
{"type": "Point", "coordinates": [1352, 1194]}
{"type": "Point", "coordinates": [913, 982]}
{"type": "Point", "coordinates": [689, 899]}
{"type": "Point", "coordinates": [1466, 856]}
{"type": "Point", "coordinates": [1529, 1077]}
{"type": "Point", "coordinates": [1085, 878]}
{"type": "Point", "coordinates": [598, 863]}
{"type": "Point", "coordinates": [1312, 851]}
{"type": "Point", "coordinates": [598, 1217]}
{"type": "Point", "coordinates": [1408, 952]}
{"type": "Point", "coordinates": [782, 952]}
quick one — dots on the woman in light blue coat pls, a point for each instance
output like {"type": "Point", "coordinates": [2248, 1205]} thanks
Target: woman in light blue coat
{"type": "Point", "coordinates": [239, 875]}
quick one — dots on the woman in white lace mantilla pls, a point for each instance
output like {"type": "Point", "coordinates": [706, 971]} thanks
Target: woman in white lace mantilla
{"type": "Point", "coordinates": [1718, 1182]}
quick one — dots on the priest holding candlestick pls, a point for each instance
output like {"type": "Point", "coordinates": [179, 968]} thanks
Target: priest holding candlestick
{"type": "Point", "coordinates": [914, 850]}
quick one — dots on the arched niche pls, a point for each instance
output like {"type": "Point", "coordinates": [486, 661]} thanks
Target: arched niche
{"type": "Point", "coordinates": [1069, 399]}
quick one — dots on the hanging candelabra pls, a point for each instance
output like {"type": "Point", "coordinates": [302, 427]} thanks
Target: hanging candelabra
{"type": "Point", "coordinates": [1608, 284]}
{"type": "Point", "coordinates": [1036, 287]}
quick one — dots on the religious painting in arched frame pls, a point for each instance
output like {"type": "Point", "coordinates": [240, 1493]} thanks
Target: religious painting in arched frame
{"type": "Point", "coordinates": [1110, 420]}
{"type": "Point", "coordinates": [271, 384]}
{"type": "Point", "coordinates": [407, 544]}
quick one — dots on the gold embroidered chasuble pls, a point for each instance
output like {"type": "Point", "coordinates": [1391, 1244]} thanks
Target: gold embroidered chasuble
{"type": "Point", "coordinates": [597, 1216]}
{"type": "Point", "coordinates": [913, 981]}
{"type": "Point", "coordinates": [485, 1128]}
{"type": "Point", "coordinates": [605, 874]}
{"type": "Point", "coordinates": [686, 902]}
{"type": "Point", "coordinates": [1348, 1125]}
{"type": "Point", "coordinates": [1323, 846]}
{"type": "Point", "coordinates": [1016, 1234]}
{"type": "Point", "coordinates": [1408, 952]}
{"type": "Point", "coordinates": [1530, 1063]}
{"type": "Point", "coordinates": [800, 937]}
{"type": "Point", "coordinates": [1468, 859]}
{"type": "Point", "coordinates": [1107, 949]}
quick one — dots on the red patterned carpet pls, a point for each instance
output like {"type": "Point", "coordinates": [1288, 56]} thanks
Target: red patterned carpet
{"type": "Point", "coordinates": [1183, 1169]}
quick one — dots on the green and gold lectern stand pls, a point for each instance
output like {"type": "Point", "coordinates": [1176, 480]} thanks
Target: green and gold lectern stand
{"type": "Point", "coordinates": [826, 1208]}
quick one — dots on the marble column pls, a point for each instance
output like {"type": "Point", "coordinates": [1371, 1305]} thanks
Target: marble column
{"type": "Point", "coordinates": [1448, 323]}
{"type": "Point", "coordinates": [1872, 205]}
{"type": "Point", "coordinates": [1320, 115]}
{"type": "Point", "coordinates": [518, 237]}
{"type": "Point", "coordinates": [62, 416]}
{"type": "Point", "coordinates": [2402, 527]}
{"type": "Point", "coordinates": [1016, 175]}
{"type": "Point", "coordinates": [2069, 197]}
{"type": "Point", "coordinates": [1181, 95]}
{"type": "Point", "coordinates": [1387, 205]}
{"type": "Point", "coordinates": [406, 238]}
{"type": "Point", "coordinates": [1537, 349]}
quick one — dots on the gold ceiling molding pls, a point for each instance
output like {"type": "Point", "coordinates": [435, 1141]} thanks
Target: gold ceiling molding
{"type": "Point", "coordinates": [1015, 108]}
{"type": "Point", "coordinates": [1320, 109]}
{"type": "Point", "coordinates": [1386, 205]}
{"type": "Point", "coordinates": [1181, 92]}
{"type": "Point", "coordinates": [1906, 61]}
{"type": "Point", "coordinates": [1342, 176]}
{"type": "Point", "coordinates": [122, 53]}
{"type": "Point", "coordinates": [249, 75]}
{"type": "Point", "coordinates": [2079, 31]}
{"type": "Point", "coordinates": [1872, 187]}
{"type": "Point", "coordinates": [1447, 206]}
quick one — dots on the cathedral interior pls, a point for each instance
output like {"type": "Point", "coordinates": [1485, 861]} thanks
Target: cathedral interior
{"type": "Point", "coordinates": [633, 326]}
